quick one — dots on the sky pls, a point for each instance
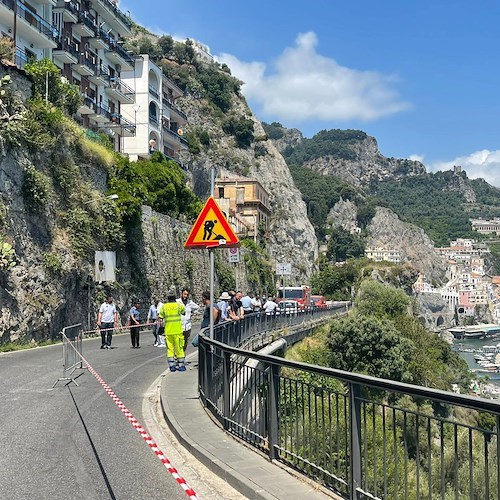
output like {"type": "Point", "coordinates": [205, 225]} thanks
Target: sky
{"type": "Point", "coordinates": [422, 77]}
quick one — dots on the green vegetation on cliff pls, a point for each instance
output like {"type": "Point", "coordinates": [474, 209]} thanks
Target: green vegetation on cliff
{"type": "Point", "coordinates": [335, 143]}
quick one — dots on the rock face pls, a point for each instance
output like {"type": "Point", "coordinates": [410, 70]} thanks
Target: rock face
{"type": "Point", "coordinates": [343, 215]}
{"type": "Point", "coordinates": [433, 311]}
{"type": "Point", "coordinates": [368, 164]}
{"type": "Point", "coordinates": [460, 185]}
{"type": "Point", "coordinates": [291, 235]}
{"type": "Point", "coordinates": [291, 137]}
{"type": "Point", "coordinates": [387, 231]}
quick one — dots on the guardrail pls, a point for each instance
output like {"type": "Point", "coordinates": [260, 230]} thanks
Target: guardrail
{"type": "Point", "coordinates": [360, 436]}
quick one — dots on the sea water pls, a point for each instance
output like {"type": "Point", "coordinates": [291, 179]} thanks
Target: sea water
{"type": "Point", "coordinates": [469, 356]}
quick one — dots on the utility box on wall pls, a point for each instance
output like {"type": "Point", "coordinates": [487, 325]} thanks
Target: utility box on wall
{"type": "Point", "coordinates": [105, 266]}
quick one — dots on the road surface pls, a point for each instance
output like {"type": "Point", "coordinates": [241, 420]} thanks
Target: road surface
{"type": "Point", "coordinates": [73, 442]}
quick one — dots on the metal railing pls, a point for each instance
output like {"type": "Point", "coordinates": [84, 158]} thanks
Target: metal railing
{"type": "Point", "coordinates": [115, 47]}
{"type": "Point", "coordinates": [21, 58]}
{"type": "Point", "coordinates": [117, 84]}
{"type": "Point", "coordinates": [360, 436]}
{"type": "Point", "coordinates": [88, 20]}
{"type": "Point", "coordinates": [112, 6]}
{"type": "Point", "coordinates": [173, 107]}
{"type": "Point", "coordinates": [68, 46]}
{"type": "Point", "coordinates": [154, 92]}
{"type": "Point", "coordinates": [72, 344]}
{"type": "Point", "coordinates": [33, 19]}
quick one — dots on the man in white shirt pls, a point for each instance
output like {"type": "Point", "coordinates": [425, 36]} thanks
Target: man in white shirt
{"type": "Point", "coordinates": [190, 307]}
{"type": "Point", "coordinates": [106, 320]}
{"type": "Point", "coordinates": [153, 319]}
{"type": "Point", "coordinates": [160, 338]}
{"type": "Point", "coordinates": [270, 307]}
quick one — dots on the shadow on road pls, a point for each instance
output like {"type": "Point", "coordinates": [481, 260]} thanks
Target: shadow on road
{"type": "Point", "coordinates": [99, 463]}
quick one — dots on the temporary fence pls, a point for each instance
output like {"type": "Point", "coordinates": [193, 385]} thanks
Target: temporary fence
{"type": "Point", "coordinates": [72, 344]}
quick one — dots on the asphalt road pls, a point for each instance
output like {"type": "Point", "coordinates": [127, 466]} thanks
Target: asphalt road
{"type": "Point", "coordinates": [73, 442]}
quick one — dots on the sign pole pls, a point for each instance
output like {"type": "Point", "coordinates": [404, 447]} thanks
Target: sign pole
{"type": "Point", "coordinates": [212, 263]}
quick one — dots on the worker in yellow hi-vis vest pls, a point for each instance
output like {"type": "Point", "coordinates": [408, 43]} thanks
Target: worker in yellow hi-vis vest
{"type": "Point", "coordinates": [170, 314]}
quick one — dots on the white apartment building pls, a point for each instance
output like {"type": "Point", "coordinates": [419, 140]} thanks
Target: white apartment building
{"type": "Point", "coordinates": [90, 54]}
{"type": "Point", "coordinates": [34, 34]}
{"type": "Point", "coordinates": [383, 254]}
{"type": "Point", "coordinates": [159, 121]}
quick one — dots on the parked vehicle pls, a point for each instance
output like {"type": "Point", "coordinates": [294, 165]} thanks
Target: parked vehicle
{"type": "Point", "coordinates": [318, 301]}
{"type": "Point", "coordinates": [300, 294]}
{"type": "Point", "coordinates": [288, 307]}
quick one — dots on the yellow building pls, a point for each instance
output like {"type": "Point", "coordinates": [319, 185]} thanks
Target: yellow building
{"type": "Point", "coordinates": [245, 202]}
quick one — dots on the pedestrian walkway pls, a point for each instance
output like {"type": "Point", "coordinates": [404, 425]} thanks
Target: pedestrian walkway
{"type": "Point", "coordinates": [246, 470]}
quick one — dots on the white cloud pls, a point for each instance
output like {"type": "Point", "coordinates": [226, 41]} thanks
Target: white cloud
{"type": "Point", "coordinates": [484, 163]}
{"type": "Point", "coordinates": [304, 86]}
{"type": "Point", "coordinates": [419, 158]}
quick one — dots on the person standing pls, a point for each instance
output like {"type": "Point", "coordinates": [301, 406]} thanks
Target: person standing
{"type": "Point", "coordinates": [256, 304]}
{"type": "Point", "coordinates": [170, 314]}
{"type": "Point", "coordinates": [153, 318]}
{"type": "Point", "coordinates": [236, 306]}
{"type": "Point", "coordinates": [270, 307]}
{"type": "Point", "coordinates": [223, 306]}
{"type": "Point", "coordinates": [106, 320]}
{"type": "Point", "coordinates": [246, 303]}
{"type": "Point", "coordinates": [160, 330]}
{"type": "Point", "coordinates": [205, 322]}
{"type": "Point", "coordinates": [134, 325]}
{"type": "Point", "coordinates": [190, 307]}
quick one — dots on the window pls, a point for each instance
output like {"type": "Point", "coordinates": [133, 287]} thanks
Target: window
{"type": "Point", "coordinates": [221, 192]}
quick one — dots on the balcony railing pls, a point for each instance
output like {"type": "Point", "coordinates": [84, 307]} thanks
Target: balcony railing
{"type": "Point", "coordinates": [154, 92]}
{"type": "Point", "coordinates": [72, 7]}
{"type": "Point", "coordinates": [88, 20]}
{"type": "Point", "coordinates": [114, 46]}
{"type": "Point", "coordinates": [112, 6]}
{"type": "Point", "coordinates": [102, 110]}
{"type": "Point", "coordinates": [153, 119]}
{"type": "Point", "coordinates": [33, 19]}
{"type": "Point", "coordinates": [117, 84]}
{"type": "Point", "coordinates": [360, 436]}
{"type": "Point", "coordinates": [118, 119]}
{"type": "Point", "coordinates": [173, 107]}
{"type": "Point", "coordinates": [21, 58]}
{"type": "Point", "coordinates": [87, 60]}
{"type": "Point", "coordinates": [69, 47]}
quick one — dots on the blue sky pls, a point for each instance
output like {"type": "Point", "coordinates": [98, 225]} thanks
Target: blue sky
{"type": "Point", "coordinates": [422, 77]}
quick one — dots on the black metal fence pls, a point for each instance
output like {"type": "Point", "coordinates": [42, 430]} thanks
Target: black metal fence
{"type": "Point", "coordinates": [360, 436]}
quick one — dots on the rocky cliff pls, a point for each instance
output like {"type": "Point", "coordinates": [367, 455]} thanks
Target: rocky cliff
{"type": "Point", "coordinates": [291, 236]}
{"type": "Point", "coordinates": [388, 232]}
{"type": "Point", "coordinates": [365, 165]}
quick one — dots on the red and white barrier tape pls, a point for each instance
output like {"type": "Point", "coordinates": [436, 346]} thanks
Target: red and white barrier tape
{"type": "Point", "coordinates": [138, 427]}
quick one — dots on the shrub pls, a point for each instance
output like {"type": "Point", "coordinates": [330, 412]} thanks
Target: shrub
{"type": "Point", "coordinates": [35, 189]}
{"type": "Point", "coordinates": [240, 128]}
{"type": "Point", "coordinates": [52, 263]}
{"type": "Point", "coordinates": [5, 47]}
{"type": "Point", "coordinates": [7, 255]}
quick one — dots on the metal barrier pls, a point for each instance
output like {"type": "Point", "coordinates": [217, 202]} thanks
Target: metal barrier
{"type": "Point", "coordinates": [72, 344]}
{"type": "Point", "coordinates": [360, 436]}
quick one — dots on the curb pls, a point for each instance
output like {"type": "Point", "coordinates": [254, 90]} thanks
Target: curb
{"type": "Point", "coordinates": [239, 482]}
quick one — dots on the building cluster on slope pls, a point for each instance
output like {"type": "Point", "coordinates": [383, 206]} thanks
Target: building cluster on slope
{"type": "Point", "coordinates": [468, 284]}
{"type": "Point", "coordinates": [124, 96]}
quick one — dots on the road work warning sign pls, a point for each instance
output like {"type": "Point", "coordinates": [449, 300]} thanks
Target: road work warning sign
{"type": "Point", "coordinates": [211, 229]}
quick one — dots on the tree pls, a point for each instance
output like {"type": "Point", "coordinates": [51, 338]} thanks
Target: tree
{"type": "Point", "coordinates": [48, 82]}
{"type": "Point", "coordinates": [380, 301]}
{"type": "Point", "coordinates": [343, 245]}
{"type": "Point", "coordinates": [372, 346]}
{"type": "Point", "coordinates": [166, 43]}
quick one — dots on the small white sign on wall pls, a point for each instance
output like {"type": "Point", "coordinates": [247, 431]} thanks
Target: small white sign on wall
{"type": "Point", "coordinates": [105, 266]}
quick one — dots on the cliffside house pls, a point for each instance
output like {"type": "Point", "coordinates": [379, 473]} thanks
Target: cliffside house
{"type": "Point", "coordinates": [383, 255]}
{"type": "Point", "coordinates": [246, 204]}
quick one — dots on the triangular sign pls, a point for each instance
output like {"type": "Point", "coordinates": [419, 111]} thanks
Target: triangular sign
{"type": "Point", "coordinates": [211, 229]}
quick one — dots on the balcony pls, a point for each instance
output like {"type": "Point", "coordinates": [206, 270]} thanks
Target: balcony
{"type": "Point", "coordinates": [86, 64]}
{"type": "Point", "coordinates": [154, 92]}
{"type": "Point", "coordinates": [113, 16]}
{"type": "Point", "coordinates": [69, 10]}
{"type": "Point", "coordinates": [30, 26]}
{"type": "Point", "coordinates": [100, 77]}
{"type": "Point", "coordinates": [126, 127]}
{"type": "Point", "coordinates": [88, 106]}
{"type": "Point", "coordinates": [101, 114]}
{"type": "Point", "coordinates": [153, 120]}
{"type": "Point", "coordinates": [66, 52]}
{"type": "Point", "coordinates": [86, 26]}
{"type": "Point", "coordinates": [120, 91]}
{"type": "Point", "coordinates": [101, 41]}
{"type": "Point", "coordinates": [21, 58]}
{"type": "Point", "coordinates": [173, 138]}
{"type": "Point", "coordinates": [118, 55]}
{"type": "Point", "coordinates": [175, 109]}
